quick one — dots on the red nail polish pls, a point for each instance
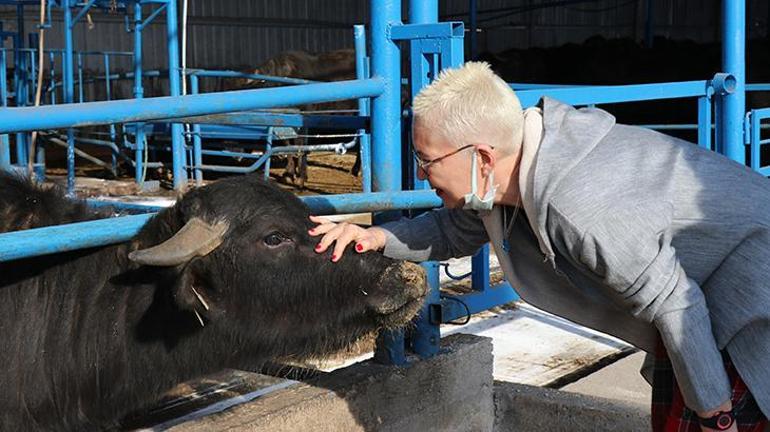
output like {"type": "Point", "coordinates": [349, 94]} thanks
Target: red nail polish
{"type": "Point", "coordinates": [334, 258]}
{"type": "Point", "coordinates": [359, 248]}
{"type": "Point", "coordinates": [318, 247]}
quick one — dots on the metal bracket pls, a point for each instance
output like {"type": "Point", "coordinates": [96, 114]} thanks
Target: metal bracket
{"type": "Point", "coordinates": [443, 30]}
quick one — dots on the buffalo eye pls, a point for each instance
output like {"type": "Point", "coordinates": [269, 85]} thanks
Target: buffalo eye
{"type": "Point", "coordinates": [275, 239]}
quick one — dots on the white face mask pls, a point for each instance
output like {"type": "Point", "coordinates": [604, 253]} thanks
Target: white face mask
{"type": "Point", "coordinates": [472, 201]}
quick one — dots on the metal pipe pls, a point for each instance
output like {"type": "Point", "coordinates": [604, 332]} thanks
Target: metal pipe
{"type": "Point", "coordinates": [616, 94]}
{"type": "Point", "coordinates": [69, 92]}
{"type": "Point", "coordinates": [138, 94]}
{"type": "Point", "coordinates": [108, 93]}
{"type": "Point", "coordinates": [704, 122]}
{"type": "Point", "coordinates": [386, 132]}
{"type": "Point", "coordinates": [386, 112]}
{"type": "Point", "coordinates": [271, 151]}
{"type": "Point", "coordinates": [234, 74]}
{"type": "Point", "coordinates": [197, 140]}
{"type": "Point", "coordinates": [80, 78]}
{"type": "Point", "coordinates": [3, 80]}
{"type": "Point", "coordinates": [138, 90]}
{"type": "Point", "coordinates": [19, 83]}
{"type": "Point", "coordinates": [422, 12]}
{"type": "Point", "coordinates": [155, 13]}
{"type": "Point", "coordinates": [81, 235]}
{"type": "Point", "coordinates": [734, 62]}
{"type": "Point", "coordinates": [5, 145]}
{"type": "Point", "coordinates": [82, 154]}
{"type": "Point", "coordinates": [365, 148]}
{"type": "Point", "coordinates": [83, 11]}
{"type": "Point", "coordinates": [178, 156]}
{"type": "Point", "coordinates": [52, 73]}
{"type": "Point", "coordinates": [99, 113]}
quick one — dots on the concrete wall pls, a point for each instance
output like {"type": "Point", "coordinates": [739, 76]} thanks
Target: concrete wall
{"type": "Point", "coordinates": [453, 391]}
{"type": "Point", "coordinates": [450, 392]}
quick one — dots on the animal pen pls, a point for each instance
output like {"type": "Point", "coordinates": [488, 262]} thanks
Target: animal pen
{"type": "Point", "coordinates": [390, 186]}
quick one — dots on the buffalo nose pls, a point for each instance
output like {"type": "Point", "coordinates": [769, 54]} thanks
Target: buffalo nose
{"type": "Point", "coordinates": [401, 283]}
{"type": "Point", "coordinates": [413, 277]}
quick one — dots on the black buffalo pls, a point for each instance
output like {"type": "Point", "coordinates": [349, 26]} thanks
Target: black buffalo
{"type": "Point", "coordinates": [226, 278]}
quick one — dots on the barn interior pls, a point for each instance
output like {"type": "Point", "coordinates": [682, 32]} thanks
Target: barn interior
{"type": "Point", "coordinates": [131, 104]}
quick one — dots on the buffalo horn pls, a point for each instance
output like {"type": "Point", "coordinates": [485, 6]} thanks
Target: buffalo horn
{"type": "Point", "coordinates": [196, 238]}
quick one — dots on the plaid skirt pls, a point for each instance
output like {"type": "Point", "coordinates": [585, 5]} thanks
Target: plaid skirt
{"type": "Point", "coordinates": [669, 414]}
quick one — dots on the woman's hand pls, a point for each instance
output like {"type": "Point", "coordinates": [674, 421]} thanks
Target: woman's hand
{"type": "Point", "coordinates": [343, 233]}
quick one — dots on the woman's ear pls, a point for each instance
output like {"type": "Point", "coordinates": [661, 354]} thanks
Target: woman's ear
{"type": "Point", "coordinates": [487, 159]}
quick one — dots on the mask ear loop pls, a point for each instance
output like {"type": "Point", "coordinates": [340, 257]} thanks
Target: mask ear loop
{"type": "Point", "coordinates": [474, 185]}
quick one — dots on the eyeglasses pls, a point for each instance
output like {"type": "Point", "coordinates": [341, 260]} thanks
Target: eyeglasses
{"type": "Point", "coordinates": [424, 164]}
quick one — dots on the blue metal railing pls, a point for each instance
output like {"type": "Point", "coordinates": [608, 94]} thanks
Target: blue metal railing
{"type": "Point", "coordinates": [755, 139]}
{"type": "Point", "coordinates": [62, 238]}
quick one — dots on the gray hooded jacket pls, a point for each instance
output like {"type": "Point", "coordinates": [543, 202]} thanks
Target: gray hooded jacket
{"type": "Point", "coordinates": [645, 237]}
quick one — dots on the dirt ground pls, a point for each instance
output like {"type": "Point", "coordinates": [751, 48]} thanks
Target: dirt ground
{"type": "Point", "coordinates": [328, 173]}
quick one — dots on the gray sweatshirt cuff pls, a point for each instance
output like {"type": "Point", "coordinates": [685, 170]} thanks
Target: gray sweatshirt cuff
{"type": "Point", "coordinates": [398, 249]}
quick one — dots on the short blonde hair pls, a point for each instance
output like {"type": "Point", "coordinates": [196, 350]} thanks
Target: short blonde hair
{"type": "Point", "coordinates": [470, 105]}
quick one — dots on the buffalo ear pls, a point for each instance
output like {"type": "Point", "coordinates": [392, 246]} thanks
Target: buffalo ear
{"type": "Point", "coordinates": [191, 294]}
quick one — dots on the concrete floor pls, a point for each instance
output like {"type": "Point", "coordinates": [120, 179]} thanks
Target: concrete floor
{"type": "Point", "coordinates": [619, 381]}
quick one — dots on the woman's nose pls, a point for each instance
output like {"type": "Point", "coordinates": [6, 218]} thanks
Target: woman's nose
{"type": "Point", "coordinates": [421, 174]}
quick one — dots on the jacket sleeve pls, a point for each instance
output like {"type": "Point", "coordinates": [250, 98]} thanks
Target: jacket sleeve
{"type": "Point", "coordinates": [435, 235]}
{"type": "Point", "coordinates": [631, 253]}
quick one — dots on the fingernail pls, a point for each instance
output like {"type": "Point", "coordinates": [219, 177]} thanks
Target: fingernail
{"type": "Point", "coordinates": [310, 231]}
{"type": "Point", "coordinates": [318, 248]}
{"type": "Point", "coordinates": [334, 258]}
{"type": "Point", "coordinates": [359, 248]}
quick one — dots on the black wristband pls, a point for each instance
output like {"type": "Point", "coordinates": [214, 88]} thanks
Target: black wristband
{"type": "Point", "coordinates": [722, 420]}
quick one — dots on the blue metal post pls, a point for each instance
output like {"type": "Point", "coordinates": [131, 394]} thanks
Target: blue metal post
{"type": "Point", "coordinates": [69, 92]}
{"type": "Point", "coordinates": [734, 62]}
{"type": "Point", "coordinates": [5, 150]}
{"type": "Point", "coordinates": [80, 78]}
{"type": "Point", "coordinates": [20, 84]}
{"type": "Point", "coordinates": [32, 82]}
{"type": "Point", "coordinates": [423, 11]}
{"type": "Point", "coordinates": [177, 137]}
{"type": "Point", "coordinates": [386, 112]}
{"type": "Point", "coordinates": [386, 134]}
{"type": "Point", "coordinates": [108, 93]}
{"type": "Point", "coordinates": [427, 335]}
{"type": "Point", "coordinates": [138, 89]}
{"type": "Point", "coordinates": [197, 140]}
{"type": "Point", "coordinates": [704, 122]}
{"type": "Point", "coordinates": [268, 151]}
{"type": "Point", "coordinates": [52, 75]}
{"type": "Point", "coordinates": [138, 94]}
{"type": "Point", "coordinates": [365, 142]}
{"type": "Point", "coordinates": [480, 266]}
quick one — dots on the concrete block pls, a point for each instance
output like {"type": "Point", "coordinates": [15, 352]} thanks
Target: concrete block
{"type": "Point", "coordinates": [520, 407]}
{"type": "Point", "coordinates": [450, 392]}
